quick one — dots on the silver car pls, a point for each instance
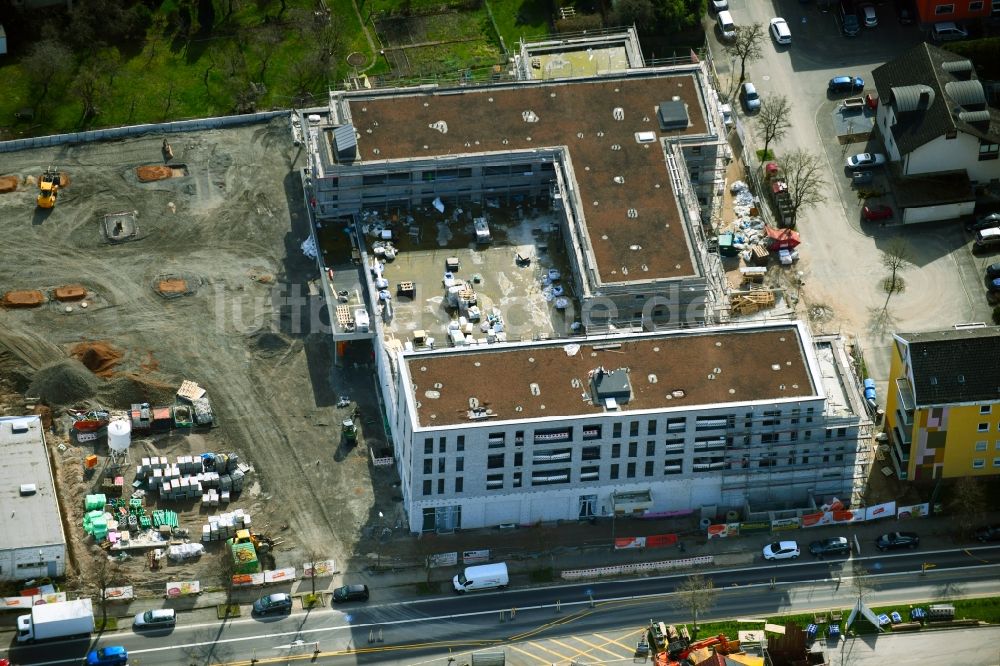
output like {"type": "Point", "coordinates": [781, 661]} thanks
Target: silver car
{"type": "Point", "coordinates": [155, 619]}
{"type": "Point", "coordinates": [865, 161]}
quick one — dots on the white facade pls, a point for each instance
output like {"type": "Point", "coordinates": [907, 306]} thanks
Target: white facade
{"type": "Point", "coordinates": [32, 544]}
{"type": "Point", "coordinates": [919, 214]}
{"type": "Point", "coordinates": [489, 473]}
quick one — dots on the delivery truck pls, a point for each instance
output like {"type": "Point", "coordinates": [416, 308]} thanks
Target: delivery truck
{"type": "Point", "coordinates": [61, 619]}
{"type": "Point", "coordinates": [482, 577]}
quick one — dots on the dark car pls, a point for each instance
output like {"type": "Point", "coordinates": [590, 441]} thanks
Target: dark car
{"type": "Point", "coordinates": [906, 11]}
{"type": "Point", "coordinates": [986, 222]}
{"type": "Point", "coordinates": [897, 540]}
{"type": "Point", "coordinates": [351, 593]}
{"type": "Point", "coordinates": [993, 271]}
{"type": "Point", "coordinates": [877, 212]}
{"type": "Point", "coordinates": [845, 84]}
{"type": "Point", "coordinates": [834, 546]}
{"type": "Point", "coordinates": [273, 603]}
{"type": "Point", "coordinates": [987, 533]}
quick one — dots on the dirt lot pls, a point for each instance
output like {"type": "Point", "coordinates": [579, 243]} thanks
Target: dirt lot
{"type": "Point", "coordinates": [231, 228]}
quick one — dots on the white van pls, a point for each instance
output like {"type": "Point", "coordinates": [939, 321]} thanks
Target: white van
{"type": "Point", "coordinates": [727, 28]}
{"type": "Point", "coordinates": [482, 577]}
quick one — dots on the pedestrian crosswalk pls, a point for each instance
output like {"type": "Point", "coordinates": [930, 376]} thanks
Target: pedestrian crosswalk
{"type": "Point", "coordinates": [606, 647]}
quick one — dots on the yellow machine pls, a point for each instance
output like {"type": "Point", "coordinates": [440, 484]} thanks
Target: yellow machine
{"type": "Point", "coordinates": [48, 188]}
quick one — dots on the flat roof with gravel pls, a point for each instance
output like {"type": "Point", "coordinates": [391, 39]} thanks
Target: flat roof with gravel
{"type": "Point", "coordinates": [32, 518]}
{"type": "Point", "coordinates": [678, 369]}
{"type": "Point", "coordinates": [597, 120]}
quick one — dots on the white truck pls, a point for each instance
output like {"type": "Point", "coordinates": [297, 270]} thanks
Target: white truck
{"type": "Point", "coordinates": [56, 620]}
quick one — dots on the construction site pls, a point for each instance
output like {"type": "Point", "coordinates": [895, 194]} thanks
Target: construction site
{"type": "Point", "coordinates": [158, 317]}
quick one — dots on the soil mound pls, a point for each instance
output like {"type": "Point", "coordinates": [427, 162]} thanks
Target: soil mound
{"type": "Point", "coordinates": [8, 184]}
{"type": "Point", "coordinates": [128, 389]}
{"type": "Point", "coordinates": [99, 357]}
{"type": "Point", "coordinates": [23, 299]}
{"type": "Point", "coordinates": [148, 174]}
{"type": "Point", "coordinates": [172, 286]}
{"type": "Point", "coordinates": [64, 382]}
{"type": "Point", "coordinates": [269, 342]}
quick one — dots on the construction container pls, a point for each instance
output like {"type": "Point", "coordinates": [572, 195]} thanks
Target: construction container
{"type": "Point", "coordinates": [90, 462]}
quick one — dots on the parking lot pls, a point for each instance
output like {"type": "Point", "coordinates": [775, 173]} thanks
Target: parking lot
{"type": "Point", "coordinates": [841, 256]}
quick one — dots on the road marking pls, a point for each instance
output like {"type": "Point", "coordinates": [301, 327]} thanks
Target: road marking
{"type": "Point", "coordinates": [578, 652]}
{"type": "Point", "coordinates": [528, 654]}
{"type": "Point", "coordinates": [545, 649]}
{"type": "Point", "coordinates": [621, 645]}
{"type": "Point", "coordinates": [595, 646]}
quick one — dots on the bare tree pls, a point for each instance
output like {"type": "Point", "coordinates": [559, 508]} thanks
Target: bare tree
{"type": "Point", "coordinates": [773, 120]}
{"type": "Point", "coordinates": [804, 175]}
{"type": "Point", "coordinates": [968, 502]}
{"type": "Point", "coordinates": [747, 46]}
{"type": "Point", "coordinates": [862, 583]}
{"type": "Point", "coordinates": [48, 62]}
{"type": "Point", "coordinates": [90, 86]}
{"type": "Point", "coordinates": [698, 594]}
{"type": "Point", "coordinates": [106, 574]}
{"type": "Point", "coordinates": [897, 256]}
{"type": "Point", "coordinates": [266, 42]}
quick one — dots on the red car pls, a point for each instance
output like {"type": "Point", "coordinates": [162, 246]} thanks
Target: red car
{"type": "Point", "coordinates": [879, 212]}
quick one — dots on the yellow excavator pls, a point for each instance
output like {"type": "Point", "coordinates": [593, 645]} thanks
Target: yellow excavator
{"type": "Point", "coordinates": [48, 188]}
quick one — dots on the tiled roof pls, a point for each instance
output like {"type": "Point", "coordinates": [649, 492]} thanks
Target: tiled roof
{"type": "Point", "coordinates": [947, 82]}
{"type": "Point", "coordinates": [955, 366]}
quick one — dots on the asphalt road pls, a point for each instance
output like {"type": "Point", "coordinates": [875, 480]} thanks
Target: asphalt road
{"type": "Point", "coordinates": [422, 628]}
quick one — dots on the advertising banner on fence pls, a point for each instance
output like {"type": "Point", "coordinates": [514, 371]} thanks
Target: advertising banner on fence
{"type": "Point", "coordinates": [723, 530]}
{"type": "Point", "coordinates": [183, 588]}
{"type": "Point", "coordinates": [119, 593]}
{"type": "Point", "coordinates": [782, 524]}
{"type": "Point", "coordinates": [887, 510]}
{"type": "Point", "coordinates": [475, 556]}
{"type": "Point", "coordinates": [10, 603]}
{"type": "Point", "coordinates": [624, 543]}
{"type": "Point", "coordinates": [246, 580]}
{"type": "Point", "coordinates": [317, 569]}
{"type": "Point", "coordinates": [755, 526]}
{"type": "Point", "coordinates": [442, 560]}
{"type": "Point", "coordinates": [914, 511]}
{"type": "Point", "coordinates": [280, 575]}
{"type": "Point", "coordinates": [661, 540]}
{"type": "Point", "coordinates": [817, 519]}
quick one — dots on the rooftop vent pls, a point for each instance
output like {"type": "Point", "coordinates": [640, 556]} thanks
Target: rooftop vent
{"type": "Point", "coordinates": [610, 387]}
{"type": "Point", "coordinates": [345, 142]}
{"type": "Point", "coordinates": [960, 69]}
{"type": "Point", "coordinates": [912, 98]}
{"type": "Point", "coordinates": [673, 115]}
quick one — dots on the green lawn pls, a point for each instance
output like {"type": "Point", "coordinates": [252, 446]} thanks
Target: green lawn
{"type": "Point", "coordinates": [520, 19]}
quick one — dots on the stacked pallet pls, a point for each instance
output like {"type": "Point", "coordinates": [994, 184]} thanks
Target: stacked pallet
{"type": "Point", "coordinates": [225, 525]}
{"type": "Point", "coordinates": [193, 477]}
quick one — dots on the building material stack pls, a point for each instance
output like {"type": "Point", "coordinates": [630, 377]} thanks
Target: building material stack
{"type": "Point", "coordinates": [225, 525]}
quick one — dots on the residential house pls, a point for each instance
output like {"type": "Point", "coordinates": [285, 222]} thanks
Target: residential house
{"type": "Point", "coordinates": [938, 127]}
{"type": "Point", "coordinates": [937, 11]}
{"type": "Point", "coordinates": [943, 406]}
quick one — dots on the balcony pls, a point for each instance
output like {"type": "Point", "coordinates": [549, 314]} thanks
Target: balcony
{"type": "Point", "coordinates": [901, 435]}
{"type": "Point", "coordinates": [904, 417]}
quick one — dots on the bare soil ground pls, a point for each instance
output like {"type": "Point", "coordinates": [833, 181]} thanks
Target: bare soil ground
{"type": "Point", "coordinates": [237, 216]}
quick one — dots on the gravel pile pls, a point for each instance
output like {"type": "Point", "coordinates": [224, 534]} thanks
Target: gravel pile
{"type": "Point", "coordinates": [125, 390]}
{"type": "Point", "coordinates": [64, 383]}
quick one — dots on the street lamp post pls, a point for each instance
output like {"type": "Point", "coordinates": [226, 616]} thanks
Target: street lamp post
{"type": "Point", "coordinates": [381, 524]}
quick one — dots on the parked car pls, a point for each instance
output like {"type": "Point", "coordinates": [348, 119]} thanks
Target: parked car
{"type": "Point", "coordinates": [273, 603]}
{"type": "Point", "coordinates": [987, 533]}
{"type": "Point", "coordinates": [749, 97]}
{"type": "Point", "coordinates": [906, 12]}
{"type": "Point", "coordinates": [865, 161]}
{"type": "Point", "coordinates": [948, 31]}
{"type": "Point", "coordinates": [726, 25]}
{"type": "Point", "coordinates": [351, 593]}
{"type": "Point", "coordinates": [719, 5]}
{"type": "Point", "coordinates": [871, 18]}
{"type": "Point", "coordinates": [845, 84]}
{"type": "Point", "coordinates": [993, 271]}
{"type": "Point", "coordinates": [991, 220]}
{"type": "Point", "coordinates": [849, 21]}
{"type": "Point", "coordinates": [114, 655]}
{"type": "Point", "coordinates": [155, 619]}
{"type": "Point", "coordinates": [780, 32]}
{"type": "Point", "coordinates": [897, 540]}
{"type": "Point", "coordinates": [833, 546]}
{"type": "Point", "coordinates": [987, 239]}
{"type": "Point", "coordinates": [876, 212]}
{"type": "Point", "coordinates": [781, 550]}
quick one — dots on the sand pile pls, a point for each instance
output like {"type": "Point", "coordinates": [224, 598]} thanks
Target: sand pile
{"type": "Point", "coordinates": [64, 382]}
{"type": "Point", "coordinates": [70, 292]}
{"type": "Point", "coordinates": [128, 389]}
{"type": "Point", "coordinates": [99, 357]}
{"type": "Point", "coordinates": [8, 184]}
{"type": "Point", "coordinates": [23, 299]}
{"type": "Point", "coordinates": [148, 174]}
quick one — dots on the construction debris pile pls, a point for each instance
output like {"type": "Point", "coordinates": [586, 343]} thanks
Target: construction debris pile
{"type": "Point", "coordinates": [211, 478]}
{"type": "Point", "coordinates": [225, 525]}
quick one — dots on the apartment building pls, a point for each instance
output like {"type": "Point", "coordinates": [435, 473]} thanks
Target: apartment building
{"type": "Point", "coordinates": [943, 407]}
{"type": "Point", "coordinates": [572, 429]}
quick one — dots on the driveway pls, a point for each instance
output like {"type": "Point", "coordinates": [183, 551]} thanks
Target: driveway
{"type": "Point", "coordinates": [841, 257]}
